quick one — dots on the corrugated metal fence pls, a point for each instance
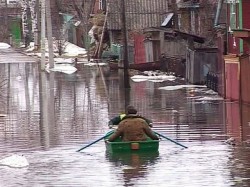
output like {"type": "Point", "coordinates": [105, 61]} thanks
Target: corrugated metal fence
{"type": "Point", "coordinates": [139, 13]}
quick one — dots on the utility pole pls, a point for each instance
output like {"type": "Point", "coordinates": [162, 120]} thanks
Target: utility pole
{"type": "Point", "coordinates": [49, 35]}
{"type": "Point", "coordinates": [43, 30]}
{"type": "Point", "coordinates": [6, 12]}
{"type": "Point", "coordinates": [29, 25]}
{"type": "Point", "coordinates": [37, 30]}
{"type": "Point", "coordinates": [125, 45]}
{"type": "Point", "coordinates": [6, 18]}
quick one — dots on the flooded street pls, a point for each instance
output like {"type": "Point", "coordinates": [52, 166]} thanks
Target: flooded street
{"type": "Point", "coordinates": [47, 117]}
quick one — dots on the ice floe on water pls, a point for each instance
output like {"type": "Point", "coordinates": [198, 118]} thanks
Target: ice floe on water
{"type": "Point", "coordinates": [4, 45]}
{"type": "Point", "coordinates": [60, 60]}
{"type": "Point", "coordinates": [14, 161]}
{"type": "Point", "coordinates": [64, 68]}
{"type": "Point", "coordinates": [177, 87]}
{"type": "Point", "coordinates": [206, 98]}
{"type": "Point", "coordinates": [64, 63]}
{"type": "Point", "coordinates": [73, 50]}
{"type": "Point", "coordinates": [95, 64]}
{"type": "Point", "coordinates": [69, 49]}
{"type": "Point", "coordinates": [153, 76]}
{"type": "Point", "coordinates": [210, 95]}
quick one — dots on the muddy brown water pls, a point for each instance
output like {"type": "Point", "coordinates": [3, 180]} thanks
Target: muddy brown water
{"type": "Point", "coordinates": [48, 119]}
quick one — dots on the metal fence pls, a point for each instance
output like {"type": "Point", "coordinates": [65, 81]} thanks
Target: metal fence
{"type": "Point", "coordinates": [212, 81]}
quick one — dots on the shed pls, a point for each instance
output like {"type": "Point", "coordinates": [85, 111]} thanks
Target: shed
{"type": "Point", "coordinates": [199, 62]}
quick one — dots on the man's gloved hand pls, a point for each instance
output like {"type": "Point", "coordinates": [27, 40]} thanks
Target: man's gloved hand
{"type": "Point", "coordinates": [110, 126]}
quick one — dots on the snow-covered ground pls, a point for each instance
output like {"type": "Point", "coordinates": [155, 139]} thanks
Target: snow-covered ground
{"type": "Point", "coordinates": [64, 63]}
{"type": "Point", "coordinates": [69, 50]}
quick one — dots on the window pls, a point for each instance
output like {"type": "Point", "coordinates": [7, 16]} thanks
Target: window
{"type": "Point", "coordinates": [167, 19]}
{"type": "Point", "coordinates": [232, 17]}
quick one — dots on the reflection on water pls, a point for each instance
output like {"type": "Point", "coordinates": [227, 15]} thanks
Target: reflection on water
{"type": "Point", "coordinates": [238, 122]}
{"type": "Point", "coordinates": [47, 117]}
{"type": "Point", "coordinates": [132, 166]}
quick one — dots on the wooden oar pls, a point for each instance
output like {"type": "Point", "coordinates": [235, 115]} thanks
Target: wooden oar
{"type": "Point", "coordinates": [170, 139]}
{"type": "Point", "coordinates": [106, 135]}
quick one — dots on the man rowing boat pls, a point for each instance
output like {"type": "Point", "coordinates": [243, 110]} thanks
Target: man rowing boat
{"type": "Point", "coordinates": [133, 128]}
{"type": "Point", "coordinates": [116, 120]}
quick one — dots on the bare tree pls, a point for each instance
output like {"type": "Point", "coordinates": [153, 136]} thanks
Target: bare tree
{"type": "Point", "coordinates": [80, 10]}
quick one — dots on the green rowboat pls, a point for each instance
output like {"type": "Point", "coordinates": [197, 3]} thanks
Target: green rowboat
{"type": "Point", "coordinates": [133, 146]}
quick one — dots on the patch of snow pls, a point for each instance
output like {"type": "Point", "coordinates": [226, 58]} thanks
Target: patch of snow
{"type": "Point", "coordinates": [46, 55]}
{"type": "Point", "coordinates": [4, 45]}
{"type": "Point", "coordinates": [31, 47]}
{"type": "Point", "coordinates": [69, 50]}
{"type": "Point", "coordinates": [74, 50]}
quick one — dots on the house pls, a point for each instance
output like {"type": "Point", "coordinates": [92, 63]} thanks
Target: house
{"type": "Point", "coordinates": [139, 16]}
{"type": "Point", "coordinates": [10, 22]}
{"type": "Point", "coordinates": [69, 20]}
{"type": "Point", "coordinates": [173, 28]}
{"type": "Point", "coordinates": [237, 78]}
{"type": "Point", "coordinates": [194, 29]}
{"type": "Point", "coordinates": [71, 17]}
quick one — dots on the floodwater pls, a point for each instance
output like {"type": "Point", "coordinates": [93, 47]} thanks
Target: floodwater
{"type": "Point", "coordinates": [47, 117]}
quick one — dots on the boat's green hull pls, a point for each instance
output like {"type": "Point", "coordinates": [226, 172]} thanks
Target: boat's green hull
{"type": "Point", "coordinates": [132, 146]}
